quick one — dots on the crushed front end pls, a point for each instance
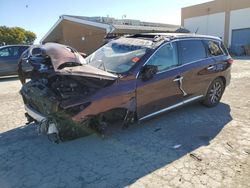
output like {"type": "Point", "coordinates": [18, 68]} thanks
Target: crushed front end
{"type": "Point", "coordinates": [57, 75]}
{"type": "Point", "coordinates": [42, 103]}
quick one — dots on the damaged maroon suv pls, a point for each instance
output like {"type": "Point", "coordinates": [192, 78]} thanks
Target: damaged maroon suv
{"type": "Point", "coordinates": [129, 79]}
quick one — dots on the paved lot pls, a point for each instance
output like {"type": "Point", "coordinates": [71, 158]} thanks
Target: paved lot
{"type": "Point", "coordinates": [190, 147]}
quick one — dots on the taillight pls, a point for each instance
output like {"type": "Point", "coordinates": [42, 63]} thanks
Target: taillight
{"type": "Point", "coordinates": [230, 61]}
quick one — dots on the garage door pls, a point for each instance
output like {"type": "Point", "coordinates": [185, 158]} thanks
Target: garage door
{"type": "Point", "coordinates": [240, 37]}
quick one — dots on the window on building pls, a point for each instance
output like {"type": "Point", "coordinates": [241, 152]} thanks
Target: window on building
{"type": "Point", "coordinates": [191, 50]}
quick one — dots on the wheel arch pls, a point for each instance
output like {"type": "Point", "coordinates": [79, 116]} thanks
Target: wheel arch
{"type": "Point", "coordinates": [223, 79]}
{"type": "Point", "coordinates": [220, 77]}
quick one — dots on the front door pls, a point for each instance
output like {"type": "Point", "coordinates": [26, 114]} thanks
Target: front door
{"type": "Point", "coordinates": [162, 90]}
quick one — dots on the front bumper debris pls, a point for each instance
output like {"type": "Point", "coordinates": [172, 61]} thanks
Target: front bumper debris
{"type": "Point", "coordinates": [58, 126]}
{"type": "Point", "coordinates": [45, 125]}
{"type": "Point", "coordinates": [34, 114]}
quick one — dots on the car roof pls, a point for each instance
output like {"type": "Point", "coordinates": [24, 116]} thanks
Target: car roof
{"type": "Point", "coordinates": [12, 45]}
{"type": "Point", "coordinates": [172, 36]}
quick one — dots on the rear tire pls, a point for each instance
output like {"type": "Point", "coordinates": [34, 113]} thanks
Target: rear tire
{"type": "Point", "coordinates": [214, 93]}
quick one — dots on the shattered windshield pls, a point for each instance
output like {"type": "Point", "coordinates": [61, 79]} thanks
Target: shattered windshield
{"type": "Point", "coordinates": [120, 55]}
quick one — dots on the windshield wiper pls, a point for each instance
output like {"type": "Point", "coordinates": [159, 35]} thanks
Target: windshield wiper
{"type": "Point", "coordinates": [103, 65]}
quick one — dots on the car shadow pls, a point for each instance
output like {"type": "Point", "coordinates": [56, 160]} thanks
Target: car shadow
{"type": "Point", "coordinates": [241, 57]}
{"type": "Point", "coordinates": [28, 160]}
{"type": "Point", "coordinates": [8, 78]}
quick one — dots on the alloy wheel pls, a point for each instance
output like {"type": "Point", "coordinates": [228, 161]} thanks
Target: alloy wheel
{"type": "Point", "coordinates": [215, 92]}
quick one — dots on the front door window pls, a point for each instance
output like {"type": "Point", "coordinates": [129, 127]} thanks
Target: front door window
{"type": "Point", "coordinates": [161, 90]}
{"type": "Point", "coordinates": [165, 57]}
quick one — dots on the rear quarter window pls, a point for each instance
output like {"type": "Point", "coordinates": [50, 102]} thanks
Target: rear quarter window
{"type": "Point", "coordinates": [224, 49]}
{"type": "Point", "coordinates": [213, 48]}
{"type": "Point", "coordinates": [191, 50]}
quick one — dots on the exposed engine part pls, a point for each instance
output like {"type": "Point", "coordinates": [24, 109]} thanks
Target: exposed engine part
{"type": "Point", "coordinates": [29, 118]}
{"type": "Point", "coordinates": [102, 122]}
{"type": "Point", "coordinates": [42, 127]}
{"type": "Point", "coordinates": [128, 119]}
{"type": "Point", "coordinates": [53, 133]}
{"type": "Point", "coordinates": [54, 138]}
{"type": "Point", "coordinates": [66, 87]}
{"type": "Point", "coordinates": [103, 128]}
{"type": "Point", "coordinates": [52, 128]}
{"type": "Point", "coordinates": [49, 126]}
{"type": "Point", "coordinates": [45, 95]}
{"type": "Point", "coordinates": [99, 124]}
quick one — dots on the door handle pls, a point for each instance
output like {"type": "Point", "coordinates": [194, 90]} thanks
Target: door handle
{"type": "Point", "coordinates": [178, 78]}
{"type": "Point", "coordinates": [210, 67]}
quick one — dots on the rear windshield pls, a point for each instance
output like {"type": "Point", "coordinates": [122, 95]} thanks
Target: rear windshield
{"type": "Point", "coordinates": [120, 55]}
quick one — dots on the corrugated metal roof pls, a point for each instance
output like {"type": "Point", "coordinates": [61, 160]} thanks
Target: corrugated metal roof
{"type": "Point", "coordinates": [143, 28]}
{"type": "Point", "coordinates": [130, 24]}
{"type": "Point", "coordinates": [115, 26]}
{"type": "Point", "coordinates": [113, 21]}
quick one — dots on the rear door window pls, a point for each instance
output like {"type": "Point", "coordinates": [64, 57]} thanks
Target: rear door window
{"type": "Point", "coordinates": [213, 48]}
{"type": "Point", "coordinates": [191, 50]}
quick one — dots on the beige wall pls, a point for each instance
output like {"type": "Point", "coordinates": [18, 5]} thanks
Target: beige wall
{"type": "Point", "coordinates": [73, 33]}
{"type": "Point", "coordinates": [214, 7]}
{"type": "Point", "coordinates": [212, 24]}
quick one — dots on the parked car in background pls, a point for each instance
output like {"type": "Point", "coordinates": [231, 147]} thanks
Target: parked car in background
{"type": "Point", "coordinates": [131, 78]}
{"type": "Point", "coordinates": [9, 56]}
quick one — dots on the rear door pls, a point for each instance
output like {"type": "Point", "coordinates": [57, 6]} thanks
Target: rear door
{"type": "Point", "coordinates": [195, 64]}
{"type": "Point", "coordinates": [8, 60]}
{"type": "Point", "coordinates": [162, 90]}
{"type": "Point", "coordinates": [217, 51]}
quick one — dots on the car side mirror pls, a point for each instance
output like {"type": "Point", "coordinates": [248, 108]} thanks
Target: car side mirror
{"type": "Point", "coordinates": [148, 72]}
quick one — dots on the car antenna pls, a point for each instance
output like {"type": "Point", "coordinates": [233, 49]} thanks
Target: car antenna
{"type": "Point", "coordinates": [197, 30]}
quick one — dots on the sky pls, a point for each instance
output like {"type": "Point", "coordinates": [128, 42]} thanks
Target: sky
{"type": "Point", "coordinates": [39, 16]}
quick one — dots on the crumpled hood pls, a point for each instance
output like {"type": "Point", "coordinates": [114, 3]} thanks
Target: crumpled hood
{"type": "Point", "coordinates": [61, 54]}
{"type": "Point", "coordinates": [88, 71]}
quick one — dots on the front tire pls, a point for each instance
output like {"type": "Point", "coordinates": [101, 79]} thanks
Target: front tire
{"type": "Point", "coordinates": [214, 93]}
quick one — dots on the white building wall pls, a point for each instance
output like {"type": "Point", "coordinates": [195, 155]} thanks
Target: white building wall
{"type": "Point", "coordinates": [239, 19]}
{"type": "Point", "coordinates": [212, 24]}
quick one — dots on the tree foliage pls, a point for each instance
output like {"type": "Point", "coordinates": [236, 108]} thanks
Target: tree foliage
{"type": "Point", "coordinates": [16, 35]}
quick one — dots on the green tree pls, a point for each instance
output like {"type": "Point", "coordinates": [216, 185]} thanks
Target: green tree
{"type": "Point", "coordinates": [16, 35]}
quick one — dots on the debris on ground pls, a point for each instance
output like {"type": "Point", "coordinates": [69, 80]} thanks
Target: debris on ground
{"type": "Point", "coordinates": [158, 129]}
{"type": "Point", "coordinates": [176, 146]}
{"type": "Point", "coordinates": [195, 157]}
{"type": "Point", "coordinates": [246, 152]}
{"type": "Point", "coordinates": [229, 144]}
